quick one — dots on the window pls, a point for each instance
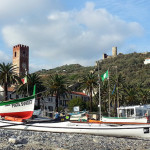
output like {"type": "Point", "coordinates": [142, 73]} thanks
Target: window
{"type": "Point", "coordinates": [64, 103]}
{"type": "Point", "coordinates": [60, 102]}
{"type": "Point", "coordinates": [23, 53]}
{"type": "Point", "coordinates": [15, 54]}
{"type": "Point", "coordinates": [50, 99]}
{"type": "Point", "coordinates": [50, 108]}
{"type": "Point", "coordinates": [64, 96]}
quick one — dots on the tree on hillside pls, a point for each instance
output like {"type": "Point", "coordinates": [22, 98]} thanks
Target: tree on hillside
{"type": "Point", "coordinates": [56, 86]}
{"type": "Point", "coordinates": [8, 77]}
{"type": "Point", "coordinates": [144, 96]}
{"type": "Point", "coordinates": [89, 82]}
{"type": "Point", "coordinates": [131, 95]}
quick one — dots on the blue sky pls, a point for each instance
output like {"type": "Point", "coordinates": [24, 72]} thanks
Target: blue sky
{"type": "Point", "coordinates": [60, 32]}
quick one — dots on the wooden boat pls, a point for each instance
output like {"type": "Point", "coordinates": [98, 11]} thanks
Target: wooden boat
{"type": "Point", "coordinates": [135, 131]}
{"type": "Point", "coordinates": [19, 108]}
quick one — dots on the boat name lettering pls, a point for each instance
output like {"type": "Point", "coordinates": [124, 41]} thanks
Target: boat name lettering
{"type": "Point", "coordinates": [22, 103]}
{"type": "Point", "coordinates": [7, 105]}
{"type": "Point", "coordinates": [26, 103]}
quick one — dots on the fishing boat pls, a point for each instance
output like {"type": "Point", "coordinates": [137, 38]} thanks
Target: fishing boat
{"type": "Point", "coordinates": [19, 108]}
{"type": "Point", "coordinates": [130, 115]}
{"type": "Point", "coordinates": [135, 131]}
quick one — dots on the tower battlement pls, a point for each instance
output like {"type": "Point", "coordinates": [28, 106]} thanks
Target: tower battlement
{"type": "Point", "coordinates": [21, 46]}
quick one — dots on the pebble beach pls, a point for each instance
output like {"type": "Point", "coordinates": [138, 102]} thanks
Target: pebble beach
{"type": "Point", "coordinates": [31, 140]}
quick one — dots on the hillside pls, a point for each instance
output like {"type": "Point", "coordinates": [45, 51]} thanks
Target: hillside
{"type": "Point", "coordinates": [131, 66]}
{"type": "Point", "coordinates": [72, 72]}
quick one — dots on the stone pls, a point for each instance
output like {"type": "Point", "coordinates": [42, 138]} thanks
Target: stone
{"type": "Point", "coordinates": [12, 140]}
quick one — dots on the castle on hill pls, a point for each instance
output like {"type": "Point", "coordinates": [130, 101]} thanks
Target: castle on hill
{"type": "Point", "coordinates": [114, 53]}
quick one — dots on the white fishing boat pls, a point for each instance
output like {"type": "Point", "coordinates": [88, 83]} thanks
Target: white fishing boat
{"type": "Point", "coordinates": [130, 114]}
{"type": "Point", "coordinates": [141, 130]}
{"type": "Point", "coordinates": [19, 108]}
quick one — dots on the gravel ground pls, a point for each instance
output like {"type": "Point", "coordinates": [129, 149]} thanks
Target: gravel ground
{"type": "Point", "coordinates": [31, 140]}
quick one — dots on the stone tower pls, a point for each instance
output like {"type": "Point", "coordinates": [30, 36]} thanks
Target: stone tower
{"type": "Point", "coordinates": [114, 51]}
{"type": "Point", "coordinates": [21, 59]}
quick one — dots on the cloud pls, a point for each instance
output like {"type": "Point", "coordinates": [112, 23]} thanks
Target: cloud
{"type": "Point", "coordinates": [77, 36]}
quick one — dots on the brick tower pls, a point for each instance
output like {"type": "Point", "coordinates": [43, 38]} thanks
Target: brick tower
{"type": "Point", "coordinates": [21, 59]}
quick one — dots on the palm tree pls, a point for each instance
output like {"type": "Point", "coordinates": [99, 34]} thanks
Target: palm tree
{"type": "Point", "coordinates": [131, 95]}
{"type": "Point", "coordinates": [8, 77]}
{"type": "Point", "coordinates": [56, 86]}
{"type": "Point", "coordinates": [144, 96]}
{"type": "Point", "coordinates": [89, 82]}
{"type": "Point", "coordinates": [32, 79]}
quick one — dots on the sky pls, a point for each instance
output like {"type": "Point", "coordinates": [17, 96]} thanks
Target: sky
{"type": "Point", "coordinates": [60, 32]}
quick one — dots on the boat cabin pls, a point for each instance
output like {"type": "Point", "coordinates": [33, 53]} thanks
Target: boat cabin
{"type": "Point", "coordinates": [134, 111]}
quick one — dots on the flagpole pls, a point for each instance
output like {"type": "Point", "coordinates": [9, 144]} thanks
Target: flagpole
{"type": "Point", "coordinates": [99, 93]}
{"type": "Point", "coordinates": [26, 73]}
{"type": "Point", "coordinates": [109, 94]}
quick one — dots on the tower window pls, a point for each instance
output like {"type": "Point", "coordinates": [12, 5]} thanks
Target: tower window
{"type": "Point", "coordinates": [23, 53]}
{"type": "Point", "coordinates": [15, 54]}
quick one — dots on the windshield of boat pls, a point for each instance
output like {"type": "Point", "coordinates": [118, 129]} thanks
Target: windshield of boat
{"type": "Point", "coordinates": [126, 113]}
{"type": "Point", "coordinates": [140, 112]}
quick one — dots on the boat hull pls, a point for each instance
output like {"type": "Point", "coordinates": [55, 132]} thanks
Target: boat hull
{"type": "Point", "coordinates": [124, 120]}
{"type": "Point", "coordinates": [21, 108]}
{"type": "Point", "coordinates": [85, 128]}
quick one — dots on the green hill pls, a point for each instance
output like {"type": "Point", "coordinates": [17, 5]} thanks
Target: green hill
{"type": "Point", "coordinates": [72, 72]}
{"type": "Point", "coordinates": [131, 66]}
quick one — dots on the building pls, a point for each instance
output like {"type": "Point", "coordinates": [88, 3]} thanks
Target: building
{"type": "Point", "coordinates": [147, 61]}
{"type": "Point", "coordinates": [11, 93]}
{"type": "Point", "coordinates": [49, 103]}
{"type": "Point", "coordinates": [21, 59]}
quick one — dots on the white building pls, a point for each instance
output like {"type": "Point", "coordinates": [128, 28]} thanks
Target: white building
{"type": "Point", "coordinates": [147, 61]}
{"type": "Point", "coordinates": [11, 93]}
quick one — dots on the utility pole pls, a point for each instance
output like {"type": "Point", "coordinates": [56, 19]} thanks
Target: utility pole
{"type": "Point", "coordinates": [109, 94]}
{"type": "Point", "coordinates": [117, 87]}
{"type": "Point", "coordinates": [117, 103]}
{"type": "Point", "coordinates": [99, 91]}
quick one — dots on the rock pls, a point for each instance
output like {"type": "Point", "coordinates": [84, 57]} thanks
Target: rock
{"type": "Point", "coordinates": [95, 140]}
{"type": "Point", "coordinates": [12, 140]}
